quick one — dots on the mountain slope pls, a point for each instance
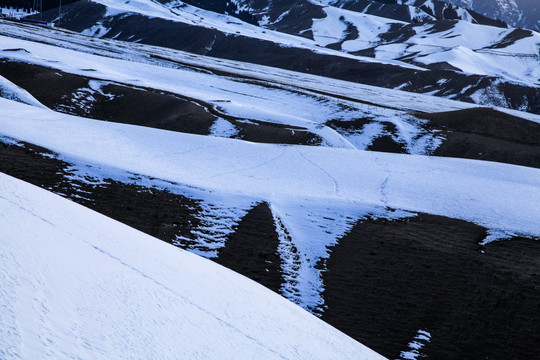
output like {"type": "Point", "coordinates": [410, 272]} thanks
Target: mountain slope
{"type": "Point", "coordinates": [519, 13]}
{"type": "Point", "coordinates": [209, 155]}
{"type": "Point", "coordinates": [262, 172]}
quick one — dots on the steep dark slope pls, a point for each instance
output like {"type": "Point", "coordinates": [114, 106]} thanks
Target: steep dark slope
{"type": "Point", "coordinates": [486, 134]}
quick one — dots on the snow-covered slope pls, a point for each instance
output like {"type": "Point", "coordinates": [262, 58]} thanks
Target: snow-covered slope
{"type": "Point", "coordinates": [509, 54]}
{"type": "Point", "coordinates": [336, 186]}
{"type": "Point", "coordinates": [265, 171]}
{"type": "Point", "coordinates": [75, 284]}
{"type": "Point", "coordinates": [356, 237]}
{"type": "Point", "coordinates": [521, 13]}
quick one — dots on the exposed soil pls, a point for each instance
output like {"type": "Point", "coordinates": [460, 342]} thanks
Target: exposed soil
{"type": "Point", "coordinates": [387, 143]}
{"type": "Point", "coordinates": [487, 134]}
{"type": "Point", "coordinates": [270, 133]}
{"type": "Point", "coordinates": [388, 279]}
{"type": "Point", "coordinates": [252, 249]}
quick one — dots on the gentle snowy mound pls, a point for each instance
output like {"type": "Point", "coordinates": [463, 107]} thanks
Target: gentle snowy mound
{"type": "Point", "coordinates": [75, 284]}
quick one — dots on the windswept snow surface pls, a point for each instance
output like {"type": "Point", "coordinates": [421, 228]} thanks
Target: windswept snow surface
{"type": "Point", "coordinates": [77, 285]}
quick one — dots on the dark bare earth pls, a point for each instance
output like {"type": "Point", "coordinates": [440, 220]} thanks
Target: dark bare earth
{"type": "Point", "coordinates": [487, 134]}
{"type": "Point", "coordinates": [388, 279]}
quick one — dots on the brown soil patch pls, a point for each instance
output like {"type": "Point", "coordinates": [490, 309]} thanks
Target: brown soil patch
{"type": "Point", "coordinates": [388, 279]}
{"type": "Point", "coordinates": [252, 249]}
{"type": "Point", "coordinates": [487, 134]}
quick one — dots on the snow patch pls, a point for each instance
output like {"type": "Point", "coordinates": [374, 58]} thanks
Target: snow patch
{"type": "Point", "coordinates": [223, 128]}
{"type": "Point", "coordinates": [421, 339]}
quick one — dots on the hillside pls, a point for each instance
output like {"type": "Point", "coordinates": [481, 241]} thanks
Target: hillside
{"type": "Point", "coordinates": [481, 64]}
{"type": "Point", "coordinates": [407, 220]}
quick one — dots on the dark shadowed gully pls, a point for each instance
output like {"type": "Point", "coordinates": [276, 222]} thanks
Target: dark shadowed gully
{"type": "Point", "coordinates": [252, 249]}
{"type": "Point", "coordinates": [487, 134]}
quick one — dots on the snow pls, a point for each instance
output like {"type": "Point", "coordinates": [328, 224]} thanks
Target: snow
{"type": "Point", "coordinates": [223, 128]}
{"type": "Point", "coordinates": [75, 284]}
{"type": "Point", "coordinates": [328, 30]}
{"type": "Point", "coordinates": [422, 338]}
{"type": "Point", "coordinates": [332, 28]}
{"type": "Point", "coordinates": [15, 13]}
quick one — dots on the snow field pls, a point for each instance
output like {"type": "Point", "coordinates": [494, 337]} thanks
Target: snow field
{"type": "Point", "coordinates": [76, 284]}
